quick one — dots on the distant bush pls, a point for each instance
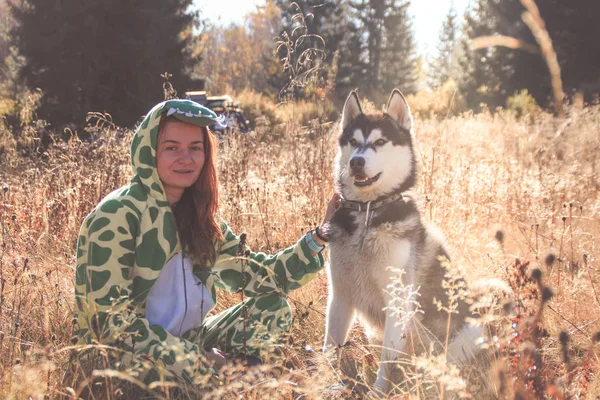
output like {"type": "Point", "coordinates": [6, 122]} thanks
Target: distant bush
{"type": "Point", "coordinates": [522, 103]}
{"type": "Point", "coordinates": [7, 106]}
{"type": "Point", "coordinates": [269, 117]}
{"type": "Point", "coordinates": [258, 107]}
{"type": "Point", "coordinates": [304, 112]}
{"type": "Point", "coordinates": [445, 100]}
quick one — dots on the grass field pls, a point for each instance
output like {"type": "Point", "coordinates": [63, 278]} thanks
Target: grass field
{"type": "Point", "coordinates": [511, 195]}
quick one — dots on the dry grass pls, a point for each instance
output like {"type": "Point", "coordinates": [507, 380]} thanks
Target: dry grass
{"type": "Point", "coordinates": [536, 181]}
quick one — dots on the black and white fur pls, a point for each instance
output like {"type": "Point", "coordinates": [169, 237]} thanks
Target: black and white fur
{"type": "Point", "coordinates": [376, 160]}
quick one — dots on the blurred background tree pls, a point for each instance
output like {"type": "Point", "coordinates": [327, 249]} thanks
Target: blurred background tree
{"type": "Point", "coordinates": [400, 61]}
{"type": "Point", "coordinates": [241, 57]}
{"type": "Point", "coordinates": [6, 23]}
{"type": "Point", "coordinates": [491, 75]}
{"type": "Point", "coordinates": [9, 64]}
{"type": "Point", "coordinates": [444, 65]}
{"type": "Point", "coordinates": [102, 55]}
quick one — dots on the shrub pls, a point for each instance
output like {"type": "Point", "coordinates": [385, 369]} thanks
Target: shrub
{"type": "Point", "coordinates": [258, 106]}
{"type": "Point", "coordinates": [522, 104]}
{"type": "Point", "coordinates": [443, 101]}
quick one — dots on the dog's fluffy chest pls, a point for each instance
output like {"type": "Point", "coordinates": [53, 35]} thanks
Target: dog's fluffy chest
{"type": "Point", "coordinates": [373, 255]}
{"type": "Point", "coordinates": [378, 240]}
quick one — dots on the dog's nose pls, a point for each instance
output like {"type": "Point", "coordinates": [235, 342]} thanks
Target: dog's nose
{"type": "Point", "coordinates": [357, 162]}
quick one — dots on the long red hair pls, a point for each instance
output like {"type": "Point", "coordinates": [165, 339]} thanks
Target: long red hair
{"type": "Point", "coordinates": [196, 211]}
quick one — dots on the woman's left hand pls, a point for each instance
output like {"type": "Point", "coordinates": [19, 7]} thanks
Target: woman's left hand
{"type": "Point", "coordinates": [333, 205]}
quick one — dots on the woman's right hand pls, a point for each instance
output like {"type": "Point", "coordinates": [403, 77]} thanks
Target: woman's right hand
{"type": "Point", "coordinates": [216, 357]}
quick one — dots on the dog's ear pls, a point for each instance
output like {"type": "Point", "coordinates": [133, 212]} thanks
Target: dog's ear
{"type": "Point", "coordinates": [351, 109]}
{"type": "Point", "coordinates": [398, 109]}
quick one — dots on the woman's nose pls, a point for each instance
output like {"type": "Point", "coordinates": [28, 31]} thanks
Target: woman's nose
{"type": "Point", "coordinates": [185, 157]}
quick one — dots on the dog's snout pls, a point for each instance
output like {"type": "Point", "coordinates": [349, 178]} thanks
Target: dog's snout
{"type": "Point", "coordinates": [357, 162]}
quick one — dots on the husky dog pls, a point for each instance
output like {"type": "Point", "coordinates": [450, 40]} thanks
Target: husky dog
{"type": "Point", "coordinates": [379, 231]}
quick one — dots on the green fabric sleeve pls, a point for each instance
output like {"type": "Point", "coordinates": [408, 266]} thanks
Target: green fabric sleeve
{"type": "Point", "coordinates": [104, 305]}
{"type": "Point", "coordinates": [258, 273]}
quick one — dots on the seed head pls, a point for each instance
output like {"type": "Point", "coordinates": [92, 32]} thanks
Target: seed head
{"type": "Point", "coordinates": [564, 341]}
{"type": "Point", "coordinates": [564, 338]}
{"type": "Point", "coordinates": [546, 294]}
{"type": "Point", "coordinates": [550, 259]}
{"type": "Point", "coordinates": [536, 274]}
{"type": "Point", "coordinates": [596, 337]}
{"type": "Point", "coordinates": [499, 236]}
{"type": "Point", "coordinates": [5, 189]}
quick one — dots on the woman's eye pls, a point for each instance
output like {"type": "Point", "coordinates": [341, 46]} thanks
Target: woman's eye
{"type": "Point", "coordinates": [353, 142]}
{"type": "Point", "coordinates": [171, 148]}
{"type": "Point", "coordinates": [380, 142]}
{"type": "Point", "coordinates": [197, 148]}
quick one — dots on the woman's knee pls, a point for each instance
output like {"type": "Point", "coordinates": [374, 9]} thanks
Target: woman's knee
{"type": "Point", "coordinates": [273, 311]}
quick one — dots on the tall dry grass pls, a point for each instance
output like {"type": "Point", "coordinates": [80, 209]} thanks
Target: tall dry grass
{"type": "Point", "coordinates": [506, 191]}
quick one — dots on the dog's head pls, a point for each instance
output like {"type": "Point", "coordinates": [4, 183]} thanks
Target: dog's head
{"type": "Point", "coordinates": [375, 155]}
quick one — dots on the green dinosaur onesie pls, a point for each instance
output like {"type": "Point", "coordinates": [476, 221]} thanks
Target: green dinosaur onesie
{"type": "Point", "coordinates": [128, 238]}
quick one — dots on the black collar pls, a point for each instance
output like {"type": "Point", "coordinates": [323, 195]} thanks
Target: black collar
{"type": "Point", "coordinates": [370, 205]}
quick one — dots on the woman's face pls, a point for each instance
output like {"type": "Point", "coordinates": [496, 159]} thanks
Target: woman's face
{"type": "Point", "coordinates": [180, 155]}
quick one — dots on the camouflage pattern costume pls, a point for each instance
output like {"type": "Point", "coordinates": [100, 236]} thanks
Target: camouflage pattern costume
{"type": "Point", "coordinates": [126, 241]}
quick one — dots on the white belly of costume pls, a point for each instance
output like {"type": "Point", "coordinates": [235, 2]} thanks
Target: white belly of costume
{"type": "Point", "coordinates": [178, 301]}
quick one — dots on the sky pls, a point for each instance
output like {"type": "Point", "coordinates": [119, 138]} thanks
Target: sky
{"type": "Point", "coordinates": [428, 16]}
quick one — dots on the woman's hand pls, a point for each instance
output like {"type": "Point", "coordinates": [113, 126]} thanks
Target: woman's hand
{"type": "Point", "coordinates": [216, 357]}
{"type": "Point", "coordinates": [333, 205]}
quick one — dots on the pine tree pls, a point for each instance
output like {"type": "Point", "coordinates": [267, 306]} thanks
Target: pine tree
{"type": "Point", "coordinates": [443, 67]}
{"type": "Point", "coordinates": [352, 65]}
{"type": "Point", "coordinates": [388, 52]}
{"type": "Point", "coordinates": [102, 55]}
{"type": "Point", "coordinates": [371, 13]}
{"type": "Point", "coordinates": [399, 66]}
{"type": "Point", "coordinates": [484, 72]}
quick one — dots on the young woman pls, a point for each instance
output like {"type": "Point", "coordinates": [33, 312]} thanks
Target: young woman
{"type": "Point", "coordinates": [151, 255]}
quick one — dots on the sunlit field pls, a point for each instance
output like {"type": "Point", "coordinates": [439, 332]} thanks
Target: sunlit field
{"type": "Point", "coordinates": [513, 195]}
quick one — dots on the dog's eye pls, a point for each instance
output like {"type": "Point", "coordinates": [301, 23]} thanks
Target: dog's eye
{"type": "Point", "coordinates": [380, 142]}
{"type": "Point", "coordinates": [353, 142]}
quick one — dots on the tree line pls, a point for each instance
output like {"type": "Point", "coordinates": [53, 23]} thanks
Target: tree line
{"type": "Point", "coordinates": [109, 56]}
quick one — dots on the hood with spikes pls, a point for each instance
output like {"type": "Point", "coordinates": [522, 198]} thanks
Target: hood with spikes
{"type": "Point", "coordinates": [143, 145]}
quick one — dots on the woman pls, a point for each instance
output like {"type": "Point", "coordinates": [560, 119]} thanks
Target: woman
{"type": "Point", "coordinates": [151, 255]}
